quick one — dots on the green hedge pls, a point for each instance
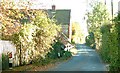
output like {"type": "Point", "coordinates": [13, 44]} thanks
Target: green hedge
{"type": "Point", "coordinates": [105, 44]}
{"type": "Point", "coordinates": [111, 44]}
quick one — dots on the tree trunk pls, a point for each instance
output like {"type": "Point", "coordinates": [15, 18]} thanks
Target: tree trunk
{"type": "Point", "coordinates": [20, 61]}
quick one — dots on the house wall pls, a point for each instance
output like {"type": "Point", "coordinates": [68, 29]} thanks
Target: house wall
{"type": "Point", "coordinates": [7, 47]}
{"type": "Point", "coordinates": [65, 29]}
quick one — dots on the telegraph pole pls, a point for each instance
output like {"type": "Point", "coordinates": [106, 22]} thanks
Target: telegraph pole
{"type": "Point", "coordinates": [112, 8]}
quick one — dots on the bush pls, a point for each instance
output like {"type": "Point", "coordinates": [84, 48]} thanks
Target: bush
{"type": "Point", "coordinates": [41, 61]}
{"type": "Point", "coordinates": [53, 55]}
{"type": "Point", "coordinates": [57, 48]}
{"type": "Point", "coordinates": [67, 54]}
{"type": "Point", "coordinates": [90, 41]}
{"type": "Point", "coordinates": [105, 44]}
{"type": "Point", "coordinates": [115, 45]}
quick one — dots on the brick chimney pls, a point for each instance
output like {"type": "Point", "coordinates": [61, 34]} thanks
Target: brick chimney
{"type": "Point", "coordinates": [53, 7]}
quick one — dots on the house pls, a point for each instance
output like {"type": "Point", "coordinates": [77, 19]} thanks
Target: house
{"type": "Point", "coordinates": [62, 17]}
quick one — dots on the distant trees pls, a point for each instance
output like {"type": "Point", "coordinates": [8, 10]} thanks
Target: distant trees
{"type": "Point", "coordinates": [77, 33]}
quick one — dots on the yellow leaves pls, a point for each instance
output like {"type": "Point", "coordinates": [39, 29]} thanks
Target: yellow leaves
{"type": "Point", "coordinates": [1, 16]}
{"type": "Point", "coordinates": [7, 4]}
{"type": "Point", "coordinates": [36, 32]}
{"type": "Point", "coordinates": [46, 32]}
{"type": "Point", "coordinates": [9, 17]}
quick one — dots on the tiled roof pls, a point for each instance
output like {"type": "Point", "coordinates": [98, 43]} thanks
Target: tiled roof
{"type": "Point", "coordinates": [62, 16]}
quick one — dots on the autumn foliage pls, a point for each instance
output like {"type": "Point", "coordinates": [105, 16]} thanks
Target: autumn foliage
{"type": "Point", "coordinates": [31, 30]}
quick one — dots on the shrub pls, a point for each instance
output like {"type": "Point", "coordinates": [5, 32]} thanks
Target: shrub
{"type": "Point", "coordinates": [53, 54]}
{"type": "Point", "coordinates": [105, 45]}
{"type": "Point", "coordinates": [110, 45]}
{"type": "Point", "coordinates": [57, 48]}
{"type": "Point", "coordinates": [67, 54]}
{"type": "Point", "coordinates": [41, 61]}
{"type": "Point", "coordinates": [90, 41]}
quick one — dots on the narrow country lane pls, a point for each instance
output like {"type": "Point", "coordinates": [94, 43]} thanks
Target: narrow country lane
{"type": "Point", "coordinates": [86, 59]}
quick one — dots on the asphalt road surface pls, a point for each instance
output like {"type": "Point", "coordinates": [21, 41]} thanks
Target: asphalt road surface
{"type": "Point", "coordinates": [86, 59]}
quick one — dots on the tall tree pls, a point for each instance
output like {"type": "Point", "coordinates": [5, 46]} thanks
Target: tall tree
{"type": "Point", "coordinates": [96, 18]}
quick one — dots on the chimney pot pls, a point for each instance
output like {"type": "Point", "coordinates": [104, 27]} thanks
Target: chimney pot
{"type": "Point", "coordinates": [53, 7]}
